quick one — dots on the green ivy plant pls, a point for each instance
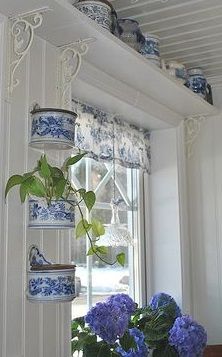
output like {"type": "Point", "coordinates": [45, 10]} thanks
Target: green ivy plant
{"type": "Point", "coordinates": [53, 183]}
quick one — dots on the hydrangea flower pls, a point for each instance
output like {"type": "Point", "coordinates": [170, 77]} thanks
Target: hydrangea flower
{"type": "Point", "coordinates": [124, 301]}
{"type": "Point", "coordinates": [161, 300]}
{"type": "Point", "coordinates": [108, 321]}
{"type": "Point", "coordinates": [141, 350]}
{"type": "Point", "coordinates": [188, 337]}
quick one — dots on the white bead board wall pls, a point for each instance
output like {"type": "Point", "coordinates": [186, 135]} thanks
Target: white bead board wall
{"type": "Point", "coordinates": [204, 170]}
{"type": "Point", "coordinates": [27, 329]}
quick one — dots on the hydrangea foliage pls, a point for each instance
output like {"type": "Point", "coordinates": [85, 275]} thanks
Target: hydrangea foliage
{"type": "Point", "coordinates": [118, 328]}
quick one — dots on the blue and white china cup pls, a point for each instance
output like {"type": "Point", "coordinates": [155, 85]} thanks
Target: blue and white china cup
{"type": "Point", "coordinates": [58, 215]}
{"type": "Point", "coordinates": [52, 128]}
{"type": "Point", "coordinates": [99, 11]}
{"type": "Point", "coordinates": [150, 48]}
{"type": "Point", "coordinates": [48, 282]}
{"type": "Point", "coordinates": [197, 82]}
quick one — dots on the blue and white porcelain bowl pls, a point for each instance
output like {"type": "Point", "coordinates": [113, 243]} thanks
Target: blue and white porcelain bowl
{"type": "Point", "coordinates": [197, 82]}
{"type": "Point", "coordinates": [48, 282]}
{"type": "Point", "coordinates": [99, 11]}
{"type": "Point", "coordinates": [150, 48]}
{"type": "Point", "coordinates": [52, 128]}
{"type": "Point", "coordinates": [58, 215]}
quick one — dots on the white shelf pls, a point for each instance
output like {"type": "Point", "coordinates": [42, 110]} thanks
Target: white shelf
{"type": "Point", "coordinates": [155, 93]}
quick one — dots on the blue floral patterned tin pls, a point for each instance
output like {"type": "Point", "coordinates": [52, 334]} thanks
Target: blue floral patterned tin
{"type": "Point", "coordinates": [52, 128]}
{"type": "Point", "coordinates": [58, 215]}
{"type": "Point", "coordinates": [48, 282]}
{"type": "Point", "coordinates": [197, 82]}
{"type": "Point", "coordinates": [99, 11]}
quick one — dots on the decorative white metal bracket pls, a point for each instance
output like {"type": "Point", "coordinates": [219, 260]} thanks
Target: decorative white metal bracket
{"type": "Point", "coordinates": [21, 33]}
{"type": "Point", "coordinates": [70, 62]}
{"type": "Point", "coordinates": [192, 126]}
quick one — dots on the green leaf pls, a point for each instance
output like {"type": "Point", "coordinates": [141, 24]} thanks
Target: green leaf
{"type": "Point", "coordinates": [60, 187]}
{"type": "Point", "coordinates": [13, 181]}
{"type": "Point", "coordinates": [92, 250]}
{"type": "Point", "coordinates": [121, 259]}
{"type": "Point", "coordinates": [97, 228]}
{"type": "Point", "coordinates": [34, 186]}
{"type": "Point", "coordinates": [82, 227]}
{"type": "Point", "coordinates": [73, 160]}
{"type": "Point", "coordinates": [102, 249]}
{"type": "Point", "coordinates": [127, 342]}
{"type": "Point", "coordinates": [44, 168]}
{"type": "Point", "coordinates": [56, 172]}
{"type": "Point", "coordinates": [89, 199]}
{"type": "Point", "coordinates": [166, 351]}
{"type": "Point", "coordinates": [23, 192]}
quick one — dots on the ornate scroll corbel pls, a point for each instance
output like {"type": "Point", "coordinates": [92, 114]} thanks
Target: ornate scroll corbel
{"type": "Point", "coordinates": [192, 126]}
{"type": "Point", "coordinates": [21, 33]}
{"type": "Point", "coordinates": [70, 61]}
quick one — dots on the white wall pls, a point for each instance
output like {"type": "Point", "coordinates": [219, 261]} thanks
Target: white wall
{"type": "Point", "coordinates": [26, 329]}
{"type": "Point", "coordinates": [165, 230]}
{"type": "Point", "coordinates": [204, 173]}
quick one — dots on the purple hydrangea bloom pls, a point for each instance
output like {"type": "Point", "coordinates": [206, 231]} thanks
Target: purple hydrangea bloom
{"type": "Point", "coordinates": [161, 300]}
{"type": "Point", "coordinates": [188, 337]}
{"type": "Point", "coordinates": [141, 350]}
{"type": "Point", "coordinates": [108, 321]}
{"type": "Point", "coordinates": [124, 301]}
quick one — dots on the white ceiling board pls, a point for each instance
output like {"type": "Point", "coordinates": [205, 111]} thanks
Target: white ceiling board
{"type": "Point", "coordinates": [65, 24]}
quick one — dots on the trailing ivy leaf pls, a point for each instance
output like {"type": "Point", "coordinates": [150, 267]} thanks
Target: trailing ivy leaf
{"type": "Point", "coordinates": [102, 249]}
{"type": "Point", "coordinates": [89, 199]}
{"type": "Point", "coordinates": [82, 191]}
{"type": "Point", "coordinates": [97, 228]}
{"type": "Point", "coordinates": [92, 250]}
{"type": "Point", "coordinates": [82, 227]}
{"type": "Point", "coordinates": [97, 249]}
{"type": "Point", "coordinates": [44, 168]}
{"type": "Point", "coordinates": [60, 187]}
{"type": "Point", "coordinates": [56, 172]}
{"type": "Point", "coordinates": [121, 259]}
{"type": "Point", "coordinates": [23, 192]}
{"type": "Point", "coordinates": [13, 181]}
{"type": "Point", "coordinates": [36, 187]}
{"type": "Point", "coordinates": [73, 160]}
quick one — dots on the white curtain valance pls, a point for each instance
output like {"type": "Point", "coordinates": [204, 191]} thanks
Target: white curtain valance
{"type": "Point", "coordinates": [106, 137]}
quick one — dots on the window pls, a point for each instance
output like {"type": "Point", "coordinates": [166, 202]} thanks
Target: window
{"type": "Point", "coordinates": [95, 281]}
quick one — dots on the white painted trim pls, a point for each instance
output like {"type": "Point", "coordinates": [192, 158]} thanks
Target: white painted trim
{"type": "Point", "coordinates": [184, 221]}
{"type": "Point", "coordinates": [145, 238]}
{"type": "Point", "coordinates": [4, 168]}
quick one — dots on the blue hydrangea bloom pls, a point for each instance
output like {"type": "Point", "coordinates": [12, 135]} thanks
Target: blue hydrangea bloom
{"type": "Point", "coordinates": [124, 301]}
{"type": "Point", "coordinates": [141, 350]}
{"type": "Point", "coordinates": [161, 300]}
{"type": "Point", "coordinates": [108, 321]}
{"type": "Point", "coordinates": [188, 337]}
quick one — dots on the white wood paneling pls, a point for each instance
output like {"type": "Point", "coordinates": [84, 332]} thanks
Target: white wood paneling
{"type": "Point", "coordinates": [165, 220]}
{"type": "Point", "coordinates": [205, 214]}
{"type": "Point", "coordinates": [27, 329]}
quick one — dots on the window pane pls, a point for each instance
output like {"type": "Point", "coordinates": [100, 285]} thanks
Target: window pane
{"type": "Point", "coordinates": [95, 279]}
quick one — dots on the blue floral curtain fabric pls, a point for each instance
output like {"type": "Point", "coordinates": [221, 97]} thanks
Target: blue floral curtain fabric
{"type": "Point", "coordinates": [106, 137]}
